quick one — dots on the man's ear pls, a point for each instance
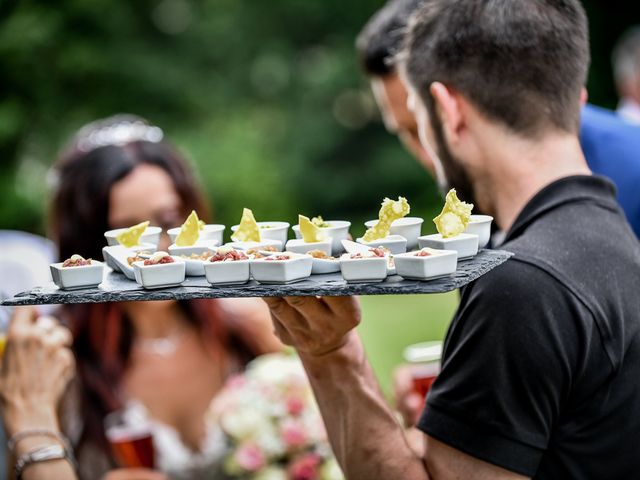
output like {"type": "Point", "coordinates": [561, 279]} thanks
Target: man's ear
{"type": "Point", "coordinates": [584, 96]}
{"type": "Point", "coordinates": [449, 108]}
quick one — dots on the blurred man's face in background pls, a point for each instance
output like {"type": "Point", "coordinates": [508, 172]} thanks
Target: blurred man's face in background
{"type": "Point", "coordinates": [391, 97]}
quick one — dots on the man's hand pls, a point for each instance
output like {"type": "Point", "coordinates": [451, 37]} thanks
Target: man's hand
{"type": "Point", "coordinates": [36, 367]}
{"type": "Point", "coordinates": [314, 326]}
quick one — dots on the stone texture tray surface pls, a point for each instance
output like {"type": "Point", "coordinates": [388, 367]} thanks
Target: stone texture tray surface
{"type": "Point", "coordinates": [117, 288]}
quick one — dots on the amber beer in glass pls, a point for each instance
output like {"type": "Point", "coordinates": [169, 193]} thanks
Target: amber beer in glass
{"type": "Point", "coordinates": [131, 443]}
{"type": "Point", "coordinates": [425, 361]}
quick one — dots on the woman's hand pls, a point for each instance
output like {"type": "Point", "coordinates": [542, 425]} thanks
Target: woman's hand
{"type": "Point", "coordinates": [36, 368]}
{"type": "Point", "coordinates": [134, 474]}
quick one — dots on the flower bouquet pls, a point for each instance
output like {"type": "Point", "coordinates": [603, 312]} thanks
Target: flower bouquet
{"type": "Point", "coordinates": [272, 424]}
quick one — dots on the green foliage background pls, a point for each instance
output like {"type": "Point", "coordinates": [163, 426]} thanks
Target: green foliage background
{"type": "Point", "coordinates": [265, 97]}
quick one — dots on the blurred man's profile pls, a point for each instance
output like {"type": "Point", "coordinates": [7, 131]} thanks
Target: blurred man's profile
{"type": "Point", "coordinates": [626, 68]}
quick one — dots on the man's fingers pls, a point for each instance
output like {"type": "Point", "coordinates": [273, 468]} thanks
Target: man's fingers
{"type": "Point", "coordinates": [345, 307]}
{"type": "Point", "coordinates": [309, 308]}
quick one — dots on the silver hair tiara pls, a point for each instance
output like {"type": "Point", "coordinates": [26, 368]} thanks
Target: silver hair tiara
{"type": "Point", "coordinates": [119, 134]}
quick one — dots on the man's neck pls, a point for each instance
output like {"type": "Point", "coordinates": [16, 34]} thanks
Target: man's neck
{"type": "Point", "coordinates": [519, 169]}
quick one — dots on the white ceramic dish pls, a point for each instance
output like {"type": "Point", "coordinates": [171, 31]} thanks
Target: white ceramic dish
{"type": "Point", "coordinates": [439, 263]}
{"type": "Point", "coordinates": [465, 244]}
{"type": "Point", "coordinates": [213, 232]}
{"type": "Point", "coordinates": [298, 267]}
{"type": "Point", "coordinates": [480, 225]}
{"type": "Point", "coordinates": [199, 248]}
{"type": "Point", "coordinates": [150, 235]}
{"type": "Point", "coordinates": [235, 272]}
{"type": "Point", "coordinates": [337, 231]}
{"type": "Point", "coordinates": [160, 276]}
{"type": "Point", "coordinates": [363, 270]}
{"type": "Point", "coordinates": [323, 266]}
{"type": "Point", "coordinates": [194, 267]}
{"type": "Point", "coordinates": [74, 278]}
{"type": "Point", "coordinates": [258, 245]}
{"type": "Point", "coordinates": [271, 231]}
{"type": "Point", "coordinates": [395, 243]}
{"type": "Point", "coordinates": [116, 256]}
{"type": "Point", "coordinates": [407, 227]}
{"type": "Point", "coordinates": [300, 246]}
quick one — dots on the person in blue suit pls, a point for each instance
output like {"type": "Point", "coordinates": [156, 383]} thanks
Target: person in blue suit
{"type": "Point", "coordinates": [612, 149]}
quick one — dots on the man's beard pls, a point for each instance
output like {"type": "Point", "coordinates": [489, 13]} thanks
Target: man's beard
{"type": "Point", "coordinates": [455, 175]}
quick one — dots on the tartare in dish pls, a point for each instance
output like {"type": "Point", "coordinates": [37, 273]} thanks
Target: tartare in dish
{"type": "Point", "coordinates": [76, 261]}
{"type": "Point", "coordinates": [159, 258]}
{"type": "Point", "coordinates": [319, 254]}
{"type": "Point", "coordinates": [228, 255]}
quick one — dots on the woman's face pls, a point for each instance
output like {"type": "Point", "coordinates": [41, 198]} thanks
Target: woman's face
{"type": "Point", "coordinates": [147, 193]}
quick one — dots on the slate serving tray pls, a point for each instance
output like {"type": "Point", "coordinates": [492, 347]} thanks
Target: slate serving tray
{"type": "Point", "coordinates": [117, 288]}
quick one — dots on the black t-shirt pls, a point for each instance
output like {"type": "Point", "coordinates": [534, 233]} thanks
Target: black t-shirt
{"type": "Point", "coordinates": [541, 364]}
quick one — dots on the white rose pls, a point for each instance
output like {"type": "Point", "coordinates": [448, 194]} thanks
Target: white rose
{"type": "Point", "coordinates": [271, 473]}
{"type": "Point", "coordinates": [243, 424]}
{"type": "Point", "coordinates": [330, 470]}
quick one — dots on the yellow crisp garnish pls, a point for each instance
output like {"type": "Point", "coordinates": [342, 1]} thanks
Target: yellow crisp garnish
{"type": "Point", "coordinates": [454, 218]}
{"type": "Point", "coordinates": [319, 222]}
{"type": "Point", "coordinates": [248, 230]}
{"type": "Point", "coordinates": [190, 231]}
{"type": "Point", "coordinates": [131, 236]}
{"type": "Point", "coordinates": [310, 232]}
{"type": "Point", "coordinates": [391, 210]}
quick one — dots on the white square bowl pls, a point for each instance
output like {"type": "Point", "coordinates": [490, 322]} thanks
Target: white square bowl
{"type": "Point", "coordinates": [300, 246]}
{"type": "Point", "coordinates": [236, 272]}
{"type": "Point", "coordinates": [465, 244]}
{"type": "Point", "coordinates": [337, 231]}
{"type": "Point", "coordinates": [256, 245]}
{"type": "Point", "coordinates": [160, 276]}
{"type": "Point", "coordinates": [198, 248]}
{"type": "Point", "coordinates": [194, 267]}
{"type": "Point", "coordinates": [363, 270]}
{"type": "Point", "coordinates": [480, 225]}
{"type": "Point", "coordinates": [407, 227]}
{"type": "Point", "coordinates": [271, 231]}
{"type": "Point", "coordinates": [74, 278]}
{"type": "Point", "coordinates": [267, 271]}
{"type": "Point", "coordinates": [116, 256]}
{"type": "Point", "coordinates": [213, 232]}
{"type": "Point", "coordinates": [395, 243]}
{"type": "Point", "coordinates": [323, 266]}
{"type": "Point", "coordinates": [440, 263]}
{"type": "Point", "coordinates": [150, 235]}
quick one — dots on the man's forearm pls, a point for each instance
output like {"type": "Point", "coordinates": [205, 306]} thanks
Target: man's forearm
{"type": "Point", "coordinates": [365, 435]}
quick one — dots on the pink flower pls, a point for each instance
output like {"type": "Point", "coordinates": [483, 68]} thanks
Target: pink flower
{"type": "Point", "coordinates": [295, 405]}
{"type": "Point", "coordinates": [293, 434]}
{"type": "Point", "coordinates": [249, 457]}
{"type": "Point", "coordinates": [305, 467]}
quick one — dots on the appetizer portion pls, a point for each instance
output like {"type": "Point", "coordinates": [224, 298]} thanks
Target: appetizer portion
{"type": "Point", "coordinates": [134, 236]}
{"type": "Point", "coordinates": [282, 268]}
{"type": "Point", "coordinates": [426, 264]}
{"type": "Point", "coordinates": [379, 232]}
{"type": "Point", "coordinates": [336, 230]}
{"type": "Point", "coordinates": [159, 271]}
{"type": "Point", "coordinates": [365, 267]}
{"type": "Point", "coordinates": [77, 272]}
{"type": "Point", "coordinates": [323, 263]}
{"type": "Point", "coordinates": [228, 267]}
{"type": "Point", "coordinates": [407, 227]}
{"type": "Point", "coordinates": [451, 223]}
{"type": "Point", "coordinates": [76, 261]}
{"type": "Point", "coordinates": [194, 230]}
{"type": "Point", "coordinates": [313, 238]}
{"type": "Point", "coordinates": [249, 233]}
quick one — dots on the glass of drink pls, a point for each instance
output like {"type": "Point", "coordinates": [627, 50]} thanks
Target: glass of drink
{"type": "Point", "coordinates": [131, 440]}
{"type": "Point", "coordinates": [425, 361]}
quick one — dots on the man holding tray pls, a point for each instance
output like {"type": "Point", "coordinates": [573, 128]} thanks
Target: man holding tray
{"type": "Point", "coordinates": [540, 364]}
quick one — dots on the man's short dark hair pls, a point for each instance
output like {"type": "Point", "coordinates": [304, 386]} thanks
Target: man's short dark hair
{"type": "Point", "coordinates": [520, 62]}
{"type": "Point", "coordinates": [383, 36]}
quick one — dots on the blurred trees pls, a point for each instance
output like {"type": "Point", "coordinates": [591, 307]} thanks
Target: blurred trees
{"type": "Point", "coordinates": [265, 97]}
